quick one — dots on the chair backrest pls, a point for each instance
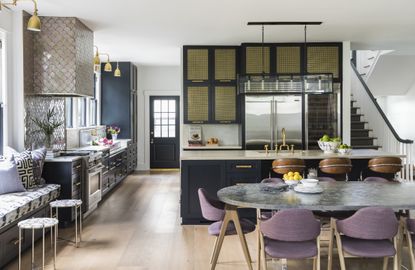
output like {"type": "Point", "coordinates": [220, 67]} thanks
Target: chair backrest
{"type": "Point", "coordinates": [272, 181]}
{"type": "Point", "coordinates": [286, 165]}
{"type": "Point", "coordinates": [410, 224]}
{"type": "Point", "coordinates": [293, 225]}
{"type": "Point", "coordinates": [376, 179]}
{"type": "Point", "coordinates": [370, 223]}
{"type": "Point", "coordinates": [326, 179]}
{"type": "Point", "coordinates": [336, 165]}
{"type": "Point", "coordinates": [212, 209]}
{"type": "Point", "coordinates": [385, 164]}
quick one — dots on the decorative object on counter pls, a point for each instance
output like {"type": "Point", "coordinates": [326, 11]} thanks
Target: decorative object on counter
{"type": "Point", "coordinates": [329, 145]}
{"type": "Point", "coordinates": [114, 131]}
{"type": "Point", "coordinates": [212, 142]}
{"type": "Point", "coordinates": [34, 23]}
{"type": "Point", "coordinates": [47, 126]}
{"type": "Point", "coordinates": [195, 136]}
{"type": "Point", "coordinates": [292, 178]}
{"type": "Point", "coordinates": [300, 83]}
{"type": "Point", "coordinates": [312, 173]}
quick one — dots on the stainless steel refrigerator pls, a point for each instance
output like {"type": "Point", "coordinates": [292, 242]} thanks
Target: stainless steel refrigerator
{"type": "Point", "coordinates": [265, 116]}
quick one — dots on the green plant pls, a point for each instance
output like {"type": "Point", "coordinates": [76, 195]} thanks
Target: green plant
{"type": "Point", "coordinates": [48, 125]}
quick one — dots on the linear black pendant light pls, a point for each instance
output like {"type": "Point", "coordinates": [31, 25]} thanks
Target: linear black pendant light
{"type": "Point", "coordinates": [286, 83]}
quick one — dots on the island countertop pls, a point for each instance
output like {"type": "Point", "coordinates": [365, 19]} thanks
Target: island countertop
{"type": "Point", "coordinates": [261, 155]}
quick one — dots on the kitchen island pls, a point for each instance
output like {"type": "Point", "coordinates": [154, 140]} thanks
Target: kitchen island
{"type": "Point", "coordinates": [217, 169]}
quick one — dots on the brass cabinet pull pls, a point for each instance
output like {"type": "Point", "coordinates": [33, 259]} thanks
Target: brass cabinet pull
{"type": "Point", "coordinates": [78, 167]}
{"type": "Point", "coordinates": [243, 166]}
{"type": "Point", "coordinates": [225, 122]}
{"type": "Point", "coordinates": [15, 241]}
{"type": "Point", "coordinates": [78, 184]}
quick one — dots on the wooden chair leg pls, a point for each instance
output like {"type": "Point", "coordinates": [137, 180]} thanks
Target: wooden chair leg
{"type": "Point", "coordinates": [263, 255]}
{"type": "Point", "coordinates": [318, 254]}
{"type": "Point", "coordinates": [385, 263]}
{"type": "Point", "coordinates": [339, 247]}
{"type": "Point", "coordinates": [241, 235]}
{"type": "Point", "coordinates": [214, 249]}
{"type": "Point", "coordinates": [258, 242]}
{"type": "Point", "coordinates": [315, 263]}
{"type": "Point", "coordinates": [395, 258]}
{"type": "Point", "coordinates": [221, 236]}
{"type": "Point", "coordinates": [331, 246]}
{"type": "Point", "coordinates": [410, 249]}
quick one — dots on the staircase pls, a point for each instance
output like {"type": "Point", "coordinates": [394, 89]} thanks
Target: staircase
{"type": "Point", "coordinates": [360, 133]}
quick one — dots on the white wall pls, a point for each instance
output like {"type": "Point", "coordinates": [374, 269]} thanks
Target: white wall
{"type": "Point", "coordinates": [346, 92]}
{"type": "Point", "coordinates": [400, 111]}
{"type": "Point", "coordinates": [153, 81]}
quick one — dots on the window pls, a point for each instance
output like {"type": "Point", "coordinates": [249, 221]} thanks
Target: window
{"type": "Point", "coordinates": [69, 112]}
{"type": "Point", "coordinates": [92, 112]}
{"type": "Point", "coordinates": [1, 128]}
{"type": "Point", "coordinates": [82, 102]}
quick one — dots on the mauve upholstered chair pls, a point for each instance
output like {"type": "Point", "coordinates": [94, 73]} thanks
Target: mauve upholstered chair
{"type": "Point", "coordinates": [213, 210]}
{"type": "Point", "coordinates": [370, 233]}
{"type": "Point", "coordinates": [290, 234]}
{"type": "Point", "coordinates": [376, 179]}
{"type": "Point", "coordinates": [326, 179]}
{"type": "Point", "coordinates": [409, 225]}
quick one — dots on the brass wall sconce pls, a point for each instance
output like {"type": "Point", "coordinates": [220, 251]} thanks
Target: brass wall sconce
{"type": "Point", "coordinates": [34, 23]}
{"type": "Point", "coordinates": [107, 66]}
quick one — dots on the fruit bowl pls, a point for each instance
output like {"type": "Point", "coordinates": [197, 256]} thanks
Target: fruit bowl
{"type": "Point", "coordinates": [344, 151]}
{"type": "Point", "coordinates": [291, 182]}
{"type": "Point", "coordinates": [328, 147]}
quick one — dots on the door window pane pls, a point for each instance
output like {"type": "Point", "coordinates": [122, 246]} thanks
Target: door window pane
{"type": "Point", "coordinates": [164, 115]}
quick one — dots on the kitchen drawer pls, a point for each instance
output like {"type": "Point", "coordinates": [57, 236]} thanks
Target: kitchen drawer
{"type": "Point", "coordinates": [76, 167]}
{"type": "Point", "coordinates": [245, 166]}
{"type": "Point", "coordinates": [243, 178]}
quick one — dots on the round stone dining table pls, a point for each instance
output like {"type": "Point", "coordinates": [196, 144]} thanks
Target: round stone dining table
{"type": "Point", "coordinates": [336, 196]}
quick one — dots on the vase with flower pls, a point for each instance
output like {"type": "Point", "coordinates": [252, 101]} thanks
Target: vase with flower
{"type": "Point", "coordinates": [114, 131]}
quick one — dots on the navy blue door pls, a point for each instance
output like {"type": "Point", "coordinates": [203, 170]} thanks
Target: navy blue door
{"type": "Point", "coordinates": [164, 132]}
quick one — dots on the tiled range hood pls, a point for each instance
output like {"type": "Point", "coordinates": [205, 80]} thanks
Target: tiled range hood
{"type": "Point", "coordinates": [62, 59]}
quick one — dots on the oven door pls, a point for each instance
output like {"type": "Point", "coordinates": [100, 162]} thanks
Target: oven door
{"type": "Point", "coordinates": [94, 186]}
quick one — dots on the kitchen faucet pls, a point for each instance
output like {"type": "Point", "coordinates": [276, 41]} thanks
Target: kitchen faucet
{"type": "Point", "coordinates": [284, 145]}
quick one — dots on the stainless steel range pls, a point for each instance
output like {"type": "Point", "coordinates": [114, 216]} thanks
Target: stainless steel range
{"type": "Point", "coordinates": [92, 186]}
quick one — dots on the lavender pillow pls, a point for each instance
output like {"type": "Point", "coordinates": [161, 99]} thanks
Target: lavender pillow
{"type": "Point", "coordinates": [9, 177]}
{"type": "Point", "coordinates": [38, 158]}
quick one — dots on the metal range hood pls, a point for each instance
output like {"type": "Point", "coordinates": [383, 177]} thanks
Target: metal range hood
{"type": "Point", "coordinates": [62, 56]}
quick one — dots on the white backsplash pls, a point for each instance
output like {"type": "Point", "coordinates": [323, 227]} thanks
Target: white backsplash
{"type": "Point", "coordinates": [228, 135]}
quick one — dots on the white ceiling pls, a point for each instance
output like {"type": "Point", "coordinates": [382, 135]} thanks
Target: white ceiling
{"type": "Point", "coordinates": [151, 32]}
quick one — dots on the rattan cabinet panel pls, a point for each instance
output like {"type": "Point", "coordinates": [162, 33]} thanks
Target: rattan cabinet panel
{"type": "Point", "coordinates": [197, 64]}
{"type": "Point", "coordinates": [197, 104]}
{"type": "Point", "coordinates": [288, 59]}
{"type": "Point", "coordinates": [257, 60]}
{"type": "Point", "coordinates": [225, 64]}
{"type": "Point", "coordinates": [323, 59]}
{"type": "Point", "coordinates": [225, 104]}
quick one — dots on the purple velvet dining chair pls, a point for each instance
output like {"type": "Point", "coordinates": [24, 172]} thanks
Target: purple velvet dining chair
{"type": "Point", "coordinates": [370, 233]}
{"type": "Point", "coordinates": [290, 234]}
{"type": "Point", "coordinates": [409, 227]}
{"type": "Point", "coordinates": [377, 179]}
{"type": "Point", "coordinates": [214, 210]}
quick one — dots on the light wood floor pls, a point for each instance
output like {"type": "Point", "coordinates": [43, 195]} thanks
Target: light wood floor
{"type": "Point", "coordinates": [138, 227]}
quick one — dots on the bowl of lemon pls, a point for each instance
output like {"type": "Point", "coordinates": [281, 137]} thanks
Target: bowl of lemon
{"type": "Point", "coordinates": [292, 178]}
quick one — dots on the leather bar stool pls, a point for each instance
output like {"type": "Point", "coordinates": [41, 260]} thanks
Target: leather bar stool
{"type": "Point", "coordinates": [337, 167]}
{"type": "Point", "coordinates": [286, 165]}
{"type": "Point", "coordinates": [384, 166]}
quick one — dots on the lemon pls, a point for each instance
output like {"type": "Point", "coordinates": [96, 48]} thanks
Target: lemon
{"type": "Point", "coordinates": [296, 173]}
{"type": "Point", "coordinates": [297, 177]}
{"type": "Point", "coordinates": [285, 176]}
{"type": "Point", "coordinates": [290, 174]}
{"type": "Point", "coordinates": [291, 177]}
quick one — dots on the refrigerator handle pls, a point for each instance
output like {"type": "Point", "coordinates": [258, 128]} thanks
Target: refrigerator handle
{"type": "Point", "coordinates": [271, 120]}
{"type": "Point", "coordinates": [306, 121]}
{"type": "Point", "coordinates": [275, 124]}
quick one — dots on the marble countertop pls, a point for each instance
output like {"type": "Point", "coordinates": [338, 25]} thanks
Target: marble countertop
{"type": "Point", "coordinates": [335, 196]}
{"type": "Point", "coordinates": [63, 159]}
{"type": "Point", "coordinates": [261, 155]}
{"type": "Point", "coordinates": [223, 147]}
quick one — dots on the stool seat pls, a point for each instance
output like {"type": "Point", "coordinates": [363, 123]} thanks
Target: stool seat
{"type": "Point", "coordinates": [37, 223]}
{"type": "Point", "coordinates": [65, 203]}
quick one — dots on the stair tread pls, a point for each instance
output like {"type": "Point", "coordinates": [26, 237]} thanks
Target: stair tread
{"type": "Point", "coordinates": [361, 129]}
{"type": "Point", "coordinates": [364, 137]}
{"type": "Point", "coordinates": [358, 122]}
{"type": "Point", "coordinates": [365, 146]}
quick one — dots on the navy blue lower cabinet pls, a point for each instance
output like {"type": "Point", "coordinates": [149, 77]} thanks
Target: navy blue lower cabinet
{"type": "Point", "coordinates": [212, 175]}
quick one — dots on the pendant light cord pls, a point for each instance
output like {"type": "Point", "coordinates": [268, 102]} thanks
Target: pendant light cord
{"type": "Point", "coordinates": [263, 50]}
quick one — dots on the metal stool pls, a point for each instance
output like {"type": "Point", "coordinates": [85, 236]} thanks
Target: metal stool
{"type": "Point", "coordinates": [76, 204]}
{"type": "Point", "coordinates": [35, 224]}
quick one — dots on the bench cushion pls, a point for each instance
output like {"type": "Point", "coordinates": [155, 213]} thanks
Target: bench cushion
{"type": "Point", "coordinates": [15, 205]}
